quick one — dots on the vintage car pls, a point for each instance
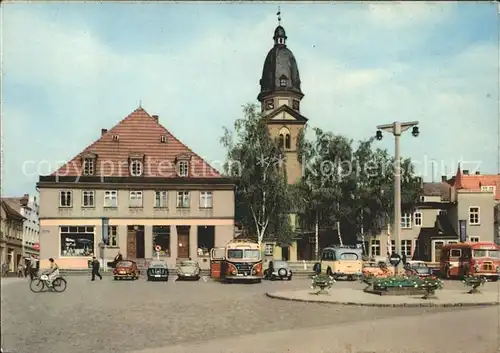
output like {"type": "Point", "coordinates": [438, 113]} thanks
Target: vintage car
{"type": "Point", "coordinates": [278, 269]}
{"type": "Point", "coordinates": [377, 269]}
{"type": "Point", "coordinates": [418, 268]}
{"type": "Point", "coordinates": [126, 269]}
{"type": "Point", "coordinates": [157, 270]}
{"type": "Point", "coordinates": [188, 269]}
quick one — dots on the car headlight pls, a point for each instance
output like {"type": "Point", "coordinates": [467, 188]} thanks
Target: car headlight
{"type": "Point", "coordinates": [498, 268]}
{"type": "Point", "coordinates": [476, 267]}
{"type": "Point", "coordinates": [254, 271]}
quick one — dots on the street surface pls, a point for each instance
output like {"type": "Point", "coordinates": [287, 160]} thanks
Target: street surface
{"type": "Point", "coordinates": [145, 317]}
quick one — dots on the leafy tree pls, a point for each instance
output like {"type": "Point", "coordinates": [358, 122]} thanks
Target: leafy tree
{"type": "Point", "coordinates": [354, 187]}
{"type": "Point", "coordinates": [319, 192]}
{"type": "Point", "coordinates": [253, 160]}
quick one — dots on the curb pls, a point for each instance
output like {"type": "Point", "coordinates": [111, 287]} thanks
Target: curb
{"type": "Point", "coordinates": [406, 305]}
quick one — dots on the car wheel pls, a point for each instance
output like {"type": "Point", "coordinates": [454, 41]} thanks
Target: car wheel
{"type": "Point", "coordinates": [290, 277]}
{"type": "Point", "coordinates": [282, 273]}
{"type": "Point", "coordinates": [116, 278]}
{"type": "Point", "coordinates": [149, 279]}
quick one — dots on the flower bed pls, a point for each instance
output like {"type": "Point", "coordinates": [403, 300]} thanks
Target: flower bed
{"type": "Point", "coordinates": [404, 285]}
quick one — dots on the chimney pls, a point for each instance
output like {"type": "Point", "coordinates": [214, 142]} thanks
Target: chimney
{"type": "Point", "coordinates": [478, 173]}
{"type": "Point", "coordinates": [443, 178]}
{"type": "Point", "coordinates": [155, 117]}
{"type": "Point", "coordinates": [103, 131]}
{"type": "Point", "coordinates": [466, 172]}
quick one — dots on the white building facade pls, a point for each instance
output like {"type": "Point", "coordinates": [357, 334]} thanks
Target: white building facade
{"type": "Point", "coordinates": [29, 205]}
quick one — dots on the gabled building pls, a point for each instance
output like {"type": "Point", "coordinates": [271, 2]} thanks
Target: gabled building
{"type": "Point", "coordinates": [11, 235]}
{"type": "Point", "coordinates": [27, 206]}
{"type": "Point", "coordinates": [136, 189]}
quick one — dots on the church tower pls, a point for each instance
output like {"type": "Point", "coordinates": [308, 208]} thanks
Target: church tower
{"type": "Point", "coordinates": [280, 96]}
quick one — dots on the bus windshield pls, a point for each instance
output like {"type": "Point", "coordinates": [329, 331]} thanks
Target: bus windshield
{"type": "Point", "coordinates": [243, 254]}
{"type": "Point", "coordinates": [487, 253]}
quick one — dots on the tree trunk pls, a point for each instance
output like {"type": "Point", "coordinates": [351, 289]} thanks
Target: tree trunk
{"type": "Point", "coordinates": [316, 238]}
{"type": "Point", "coordinates": [340, 235]}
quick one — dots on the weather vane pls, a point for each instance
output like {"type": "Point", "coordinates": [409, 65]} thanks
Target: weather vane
{"type": "Point", "coordinates": [279, 16]}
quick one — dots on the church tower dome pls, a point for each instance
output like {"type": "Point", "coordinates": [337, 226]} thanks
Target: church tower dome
{"type": "Point", "coordinates": [280, 72]}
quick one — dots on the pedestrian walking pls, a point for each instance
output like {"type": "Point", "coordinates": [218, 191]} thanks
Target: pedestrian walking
{"type": "Point", "coordinates": [95, 268]}
{"type": "Point", "coordinates": [20, 269]}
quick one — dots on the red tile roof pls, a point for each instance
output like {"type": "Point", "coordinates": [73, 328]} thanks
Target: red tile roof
{"type": "Point", "coordinates": [474, 182]}
{"type": "Point", "coordinates": [139, 134]}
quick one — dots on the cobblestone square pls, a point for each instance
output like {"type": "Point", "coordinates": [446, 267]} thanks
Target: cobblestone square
{"type": "Point", "coordinates": [126, 316]}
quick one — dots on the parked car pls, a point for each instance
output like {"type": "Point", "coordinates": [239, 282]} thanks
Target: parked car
{"type": "Point", "coordinates": [157, 270]}
{"type": "Point", "coordinates": [278, 269]}
{"type": "Point", "coordinates": [126, 269]}
{"type": "Point", "coordinates": [418, 268]}
{"type": "Point", "coordinates": [188, 270]}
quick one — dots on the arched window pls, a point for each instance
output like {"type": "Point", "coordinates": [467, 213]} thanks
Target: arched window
{"type": "Point", "coordinates": [282, 140]}
{"type": "Point", "coordinates": [285, 138]}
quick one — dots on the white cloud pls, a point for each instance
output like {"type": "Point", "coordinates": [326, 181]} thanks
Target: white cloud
{"type": "Point", "coordinates": [198, 89]}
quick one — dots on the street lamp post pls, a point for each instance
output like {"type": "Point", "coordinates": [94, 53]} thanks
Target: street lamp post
{"type": "Point", "coordinates": [397, 128]}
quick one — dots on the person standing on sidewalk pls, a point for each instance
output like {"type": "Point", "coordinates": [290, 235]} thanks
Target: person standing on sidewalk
{"type": "Point", "coordinates": [95, 269]}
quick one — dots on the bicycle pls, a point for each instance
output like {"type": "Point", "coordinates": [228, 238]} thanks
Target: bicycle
{"type": "Point", "coordinates": [39, 283]}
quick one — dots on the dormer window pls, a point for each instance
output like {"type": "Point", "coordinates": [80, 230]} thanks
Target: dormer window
{"type": "Point", "coordinates": [281, 40]}
{"type": "Point", "coordinates": [182, 165]}
{"type": "Point", "coordinates": [88, 164]}
{"type": "Point", "coordinates": [283, 81]}
{"type": "Point", "coordinates": [136, 164]}
{"type": "Point", "coordinates": [183, 168]}
{"type": "Point", "coordinates": [136, 167]}
{"type": "Point", "coordinates": [296, 105]}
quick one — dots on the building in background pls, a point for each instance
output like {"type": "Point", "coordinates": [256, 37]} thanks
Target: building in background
{"type": "Point", "coordinates": [11, 235]}
{"type": "Point", "coordinates": [454, 210]}
{"type": "Point", "coordinates": [136, 188]}
{"type": "Point", "coordinates": [27, 206]}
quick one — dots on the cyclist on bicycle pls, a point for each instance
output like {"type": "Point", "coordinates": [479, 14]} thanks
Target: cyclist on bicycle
{"type": "Point", "coordinates": [52, 272]}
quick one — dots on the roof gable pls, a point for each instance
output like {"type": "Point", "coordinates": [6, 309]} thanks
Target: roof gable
{"type": "Point", "coordinates": [285, 114]}
{"type": "Point", "coordinates": [138, 134]}
{"type": "Point", "coordinates": [9, 207]}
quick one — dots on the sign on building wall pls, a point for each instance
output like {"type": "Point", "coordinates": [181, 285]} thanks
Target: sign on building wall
{"type": "Point", "coordinates": [462, 230]}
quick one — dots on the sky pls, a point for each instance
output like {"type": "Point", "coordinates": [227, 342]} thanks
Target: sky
{"type": "Point", "coordinates": [70, 69]}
